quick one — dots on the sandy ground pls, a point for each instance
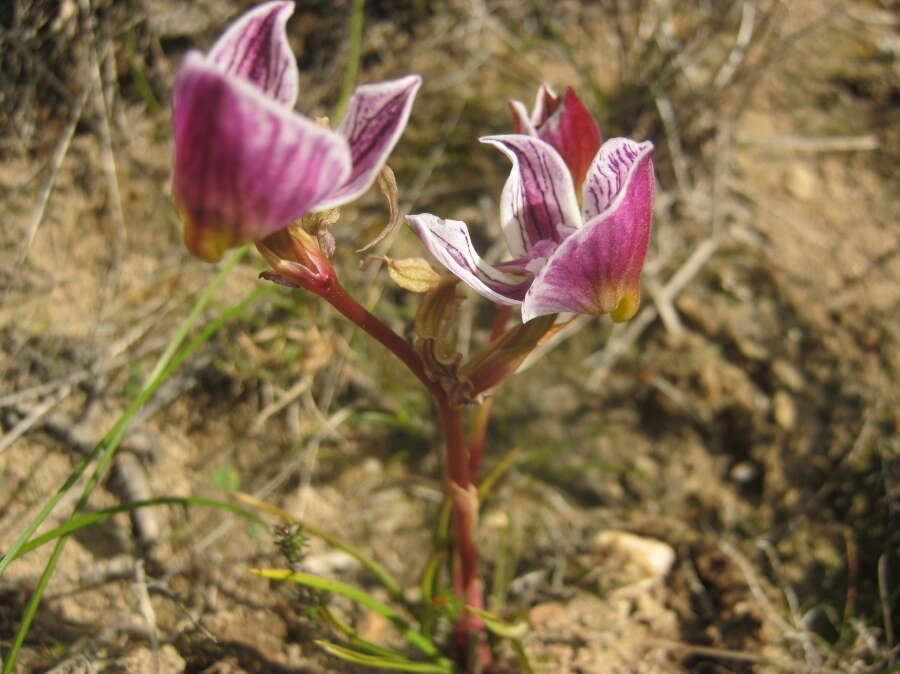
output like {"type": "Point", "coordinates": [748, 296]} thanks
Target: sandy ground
{"type": "Point", "coordinates": [710, 488]}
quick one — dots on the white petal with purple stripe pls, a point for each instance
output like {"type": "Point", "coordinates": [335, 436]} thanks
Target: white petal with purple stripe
{"type": "Point", "coordinates": [538, 201]}
{"type": "Point", "coordinates": [450, 243]}
{"type": "Point", "coordinates": [375, 119]}
{"type": "Point", "coordinates": [256, 48]}
{"type": "Point", "coordinates": [612, 168]}
{"type": "Point", "coordinates": [599, 266]}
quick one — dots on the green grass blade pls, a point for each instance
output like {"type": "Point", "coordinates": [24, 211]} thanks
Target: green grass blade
{"type": "Point", "coordinates": [380, 572]}
{"type": "Point", "coordinates": [118, 430]}
{"type": "Point", "coordinates": [170, 359]}
{"type": "Point", "coordinates": [362, 597]}
{"type": "Point", "coordinates": [498, 626]}
{"type": "Point", "coordinates": [86, 519]}
{"type": "Point", "coordinates": [384, 663]}
{"type": "Point", "coordinates": [498, 471]}
{"type": "Point", "coordinates": [353, 53]}
{"type": "Point", "coordinates": [357, 641]}
{"type": "Point", "coordinates": [428, 584]}
{"type": "Point", "coordinates": [523, 656]}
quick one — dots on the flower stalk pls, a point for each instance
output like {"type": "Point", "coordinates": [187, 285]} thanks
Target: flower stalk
{"type": "Point", "coordinates": [470, 650]}
{"type": "Point", "coordinates": [460, 470]}
{"type": "Point", "coordinates": [461, 485]}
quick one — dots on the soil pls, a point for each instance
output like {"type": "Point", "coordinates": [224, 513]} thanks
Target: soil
{"type": "Point", "coordinates": [710, 488]}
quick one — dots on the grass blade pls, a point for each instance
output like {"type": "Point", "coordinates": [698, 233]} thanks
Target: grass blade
{"type": "Point", "coordinates": [86, 519]}
{"type": "Point", "coordinates": [118, 430]}
{"type": "Point", "coordinates": [105, 450]}
{"type": "Point", "coordinates": [384, 663]}
{"type": "Point", "coordinates": [353, 53]}
{"type": "Point", "coordinates": [358, 642]}
{"type": "Point", "coordinates": [360, 597]}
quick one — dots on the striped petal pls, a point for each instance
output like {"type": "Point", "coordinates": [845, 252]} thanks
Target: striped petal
{"type": "Point", "coordinates": [375, 119]}
{"type": "Point", "coordinates": [450, 243]}
{"type": "Point", "coordinates": [611, 169]}
{"type": "Point", "coordinates": [256, 48]}
{"type": "Point", "coordinates": [521, 119]}
{"type": "Point", "coordinates": [245, 165]}
{"type": "Point", "coordinates": [597, 269]}
{"type": "Point", "coordinates": [538, 201]}
{"type": "Point", "coordinates": [544, 104]}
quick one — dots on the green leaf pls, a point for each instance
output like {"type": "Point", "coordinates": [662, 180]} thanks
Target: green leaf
{"type": "Point", "coordinates": [510, 631]}
{"type": "Point", "coordinates": [385, 663]}
{"type": "Point", "coordinates": [357, 641]}
{"type": "Point", "coordinates": [362, 597]}
{"type": "Point", "coordinates": [498, 471]}
{"type": "Point", "coordinates": [499, 626]}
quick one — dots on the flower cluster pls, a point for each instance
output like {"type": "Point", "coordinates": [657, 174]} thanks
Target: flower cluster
{"type": "Point", "coordinates": [566, 257]}
{"type": "Point", "coordinates": [575, 213]}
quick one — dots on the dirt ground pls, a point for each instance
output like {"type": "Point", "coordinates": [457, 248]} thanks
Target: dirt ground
{"type": "Point", "coordinates": [713, 487]}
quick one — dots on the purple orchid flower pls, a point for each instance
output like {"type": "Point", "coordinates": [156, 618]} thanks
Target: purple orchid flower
{"type": "Point", "coordinates": [566, 258]}
{"type": "Point", "coordinates": [245, 164]}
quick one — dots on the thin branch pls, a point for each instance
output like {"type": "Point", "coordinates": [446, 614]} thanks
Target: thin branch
{"type": "Point", "coordinates": [56, 159]}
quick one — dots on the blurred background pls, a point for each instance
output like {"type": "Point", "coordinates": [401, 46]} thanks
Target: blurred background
{"type": "Point", "coordinates": [744, 426]}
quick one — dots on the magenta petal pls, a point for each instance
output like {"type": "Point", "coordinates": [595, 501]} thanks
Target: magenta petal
{"type": "Point", "coordinates": [449, 242]}
{"type": "Point", "coordinates": [375, 119]}
{"type": "Point", "coordinates": [572, 131]}
{"type": "Point", "coordinates": [610, 170]}
{"type": "Point", "coordinates": [245, 166]}
{"type": "Point", "coordinates": [538, 201]}
{"type": "Point", "coordinates": [256, 48]}
{"type": "Point", "coordinates": [597, 269]}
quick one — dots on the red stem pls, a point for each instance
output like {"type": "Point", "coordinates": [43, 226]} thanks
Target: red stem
{"type": "Point", "coordinates": [472, 651]}
{"type": "Point", "coordinates": [341, 300]}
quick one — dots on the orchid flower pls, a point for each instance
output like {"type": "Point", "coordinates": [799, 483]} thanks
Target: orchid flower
{"type": "Point", "coordinates": [245, 164]}
{"type": "Point", "coordinates": [566, 258]}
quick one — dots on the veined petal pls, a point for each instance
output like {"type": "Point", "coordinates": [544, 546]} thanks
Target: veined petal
{"type": "Point", "coordinates": [597, 269]}
{"type": "Point", "coordinates": [611, 169]}
{"type": "Point", "coordinates": [449, 242]}
{"type": "Point", "coordinates": [245, 166]}
{"type": "Point", "coordinates": [538, 201]}
{"type": "Point", "coordinates": [521, 120]}
{"type": "Point", "coordinates": [544, 105]}
{"type": "Point", "coordinates": [375, 119]}
{"type": "Point", "coordinates": [256, 48]}
{"type": "Point", "coordinates": [573, 132]}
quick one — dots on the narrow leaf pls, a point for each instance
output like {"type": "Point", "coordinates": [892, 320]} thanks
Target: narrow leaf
{"type": "Point", "coordinates": [355, 639]}
{"type": "Point", "coordinates": [384, 663]}
{"type": "Point", "coordinates": [359, 596]}
{"type": "Point", "coordinates": [83, 520]}
{"type": "Point", "coordinates": [499, 626]}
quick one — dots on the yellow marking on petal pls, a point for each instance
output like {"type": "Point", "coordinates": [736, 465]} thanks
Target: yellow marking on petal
{"type": "Point", "coordinates": [627, 306]}
{"type": "Point", "coordinates": [207, 243]}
